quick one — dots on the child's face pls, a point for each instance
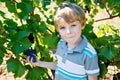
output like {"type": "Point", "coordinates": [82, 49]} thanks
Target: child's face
{"type": "Point", "coordinates": [70, 32]}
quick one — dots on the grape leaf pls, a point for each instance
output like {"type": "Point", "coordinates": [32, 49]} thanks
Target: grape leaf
{"type": "Point", "coordinates": [35, 73]}
{"type": "Point", "coordinates": [108, 52]}
{"type": "Point", "coordinates": [103, 70]}
{"type": "Point", "coordinates": [15, 66]}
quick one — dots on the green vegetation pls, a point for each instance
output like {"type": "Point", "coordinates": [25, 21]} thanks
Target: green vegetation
{"type": "Point", "coordinates": [35, 17]}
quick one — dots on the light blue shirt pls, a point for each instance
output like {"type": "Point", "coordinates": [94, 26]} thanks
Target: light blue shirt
{"type": "Point", "coordinates": [77, 63]}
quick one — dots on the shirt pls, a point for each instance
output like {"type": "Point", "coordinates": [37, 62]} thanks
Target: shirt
{"type": "Point", "coordinates": [77, 63]}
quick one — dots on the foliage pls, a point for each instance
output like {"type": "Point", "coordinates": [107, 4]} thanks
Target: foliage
{"type": "Point", "coordinates": [35, 17]}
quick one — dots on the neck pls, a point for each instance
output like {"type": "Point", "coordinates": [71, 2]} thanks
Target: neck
{"type": "Point", "coordinates": [73, 45]}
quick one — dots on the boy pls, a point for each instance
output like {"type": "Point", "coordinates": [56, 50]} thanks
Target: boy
{"type": "Point", "coordinates": [76, 58]}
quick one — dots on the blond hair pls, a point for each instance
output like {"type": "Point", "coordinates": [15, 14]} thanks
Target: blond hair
{"type": "Point", "coordinates": [70, 12]}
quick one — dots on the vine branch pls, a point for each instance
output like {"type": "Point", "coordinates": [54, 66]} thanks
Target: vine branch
{"type": "Point", "coordinates": [108, 12]}
{"type": "Point", "coordinates": [108, 18]}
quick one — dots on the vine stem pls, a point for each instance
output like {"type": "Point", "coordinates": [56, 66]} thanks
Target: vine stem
{"type": "Point", "coordinates": [110, 15]}
{"type": "Point", "coordinates": [107, 18]}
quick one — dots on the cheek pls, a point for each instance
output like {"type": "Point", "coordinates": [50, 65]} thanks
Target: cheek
{"type": "Point", "coordinates": [61, 33]}
{"type": "Point", "coordinates": [78, 31]}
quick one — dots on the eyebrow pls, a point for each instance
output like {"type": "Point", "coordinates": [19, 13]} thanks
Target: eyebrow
{"type": "Point", "coordinates": [59, 26]}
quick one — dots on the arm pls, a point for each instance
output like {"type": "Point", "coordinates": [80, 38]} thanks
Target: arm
{"type": "Point", "coordinates": [92, 78]}
{"type": "Point", "coordinates": [49, 65]}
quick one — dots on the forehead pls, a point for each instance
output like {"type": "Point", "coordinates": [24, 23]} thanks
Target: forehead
{"type": "Point", "coordinates": [63, 22]}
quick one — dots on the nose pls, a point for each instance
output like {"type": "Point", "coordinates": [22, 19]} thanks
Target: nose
{"type": "Point", "coordinates": [68, 31]}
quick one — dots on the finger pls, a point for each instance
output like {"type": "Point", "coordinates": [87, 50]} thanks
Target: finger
{"type": "Point", "coordinates": [27, 58]}
{"type": "Point", "coordinates": [31, 59]}
{"type": "Point", "coordinates": [34, 59]}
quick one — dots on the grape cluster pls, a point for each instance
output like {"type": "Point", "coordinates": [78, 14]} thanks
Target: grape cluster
{"type": "Point", "coordinates": [32, 54]}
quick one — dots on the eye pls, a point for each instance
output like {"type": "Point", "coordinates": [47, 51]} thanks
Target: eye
{"type": "Point", "coordinates": [62, 28]}
{"type": "Point", "coordinates": [73, 25]}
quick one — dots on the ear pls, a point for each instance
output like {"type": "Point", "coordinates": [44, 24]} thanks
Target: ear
{"type": "Point", "coordinates": [83, 24]}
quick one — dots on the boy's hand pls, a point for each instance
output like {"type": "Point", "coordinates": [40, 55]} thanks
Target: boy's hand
{"type": "Point", "coordinates": [31, 54]}
{"type": "Point", "coordinates": [30, 60]}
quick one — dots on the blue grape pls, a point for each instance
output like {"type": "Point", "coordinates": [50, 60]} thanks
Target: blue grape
{"type": "Point", "coordinates": [32, 54]}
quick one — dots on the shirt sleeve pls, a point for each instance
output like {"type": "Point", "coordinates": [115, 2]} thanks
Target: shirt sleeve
{"type": "Point", "coordinates": [91, 65]}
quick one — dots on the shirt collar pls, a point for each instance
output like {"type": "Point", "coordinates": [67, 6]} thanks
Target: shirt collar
{"type": "Point", "coordinates": [79, 48]}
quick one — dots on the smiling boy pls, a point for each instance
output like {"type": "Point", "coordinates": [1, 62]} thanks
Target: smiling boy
{"type": "Point", "coordinates": [76, 58]}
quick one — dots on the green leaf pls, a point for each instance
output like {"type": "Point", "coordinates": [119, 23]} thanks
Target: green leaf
{"type": "Point", "coordinates": [42, 27]}
{"type": "Point", "coordinates": [15, 66]}
{"type": "Point", "coordinates": [2, 14]}
{"type": "Point", "coordinates": [2, 41]}
{"type": "Point", "coordinates": [45, 3]}
{"type": "Point", "coordinates": [103, 70]}
{"type": "Point", "coordinates": [34, 26]}
{"type": "Point", "coordinates": [108, 51]}
{"type": "Point", "coordinates": [36, 2]}
{"type": "Point", "coordinates": [20, 46]}
{"type": "Point", "coordinates": [117, 64]}
{"type": "Point", "coordinates": [1, 60]}
{"type": "Point", "coordinates": [106, 28]}
{"type": "Point", "coordinates": [37, 17]}
{"type": "Point", "coordinates": [101, 41]}
{"type": "Point", "coordinates": [102, 58]}
{"type": "Point", "coordinates": [2, 51]}
{"type": "Point", "coordinates": [116, 2]}
{"type": "Point", "coordinates": [11, 6]}
{"type": "Point", "coordinates": [10, 25]}
{"type": "Point", "coordinates": [24, 9]}
{"type": "Point", "coordinates": [31, 16]}
{"type": "Point", "coordinates": [51, 40]}
{"type": "Point", "coordinates": [35, 73]}
{"type": "Point", "coordinates": [59, 1]}
{"type": "Point", "coordinates": [45, 52]}
{"type": "Point", "coordinates": [25, 43]}
{"type": "Point", "coordinates": [2, 0]}
{"type": "Point", "coordinates": [88, 32]}
{"type": "Point", "coordinates": [100, 33]}
{"type": "Point", "coordinates": [19, 42]}
{"type": "Point", "coordinates": [0, 23]}
{"type": "Point", "coordinates": [20, 35]}
{"type": "Point", "coordinates": [50, 22]}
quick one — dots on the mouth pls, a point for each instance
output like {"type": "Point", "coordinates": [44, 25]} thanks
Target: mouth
{"type": "Point", "coordinates": [69, 36]}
